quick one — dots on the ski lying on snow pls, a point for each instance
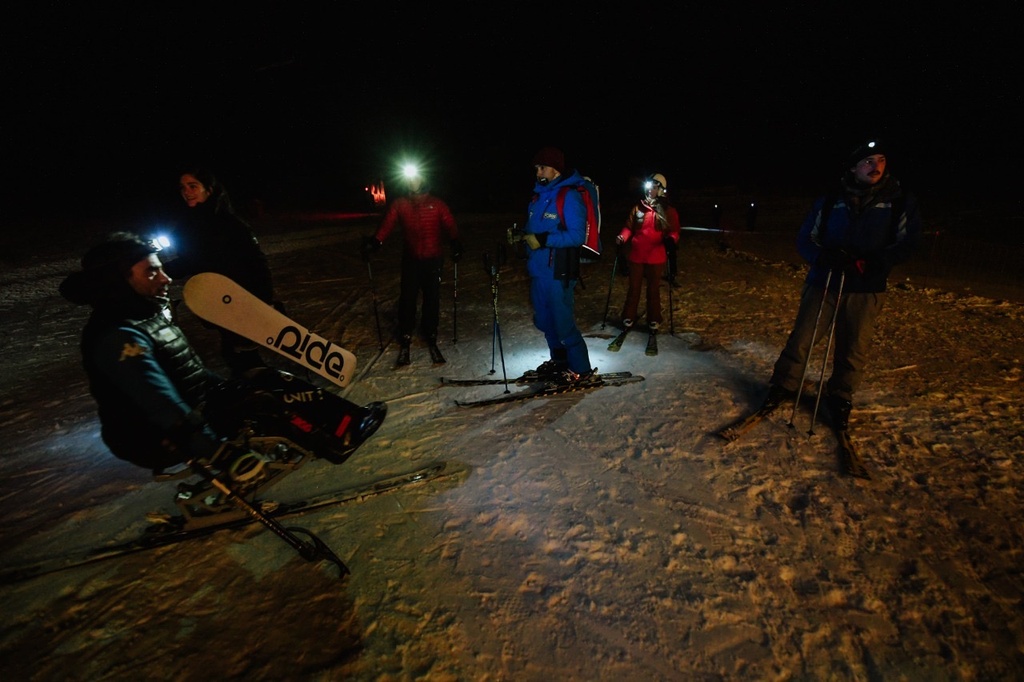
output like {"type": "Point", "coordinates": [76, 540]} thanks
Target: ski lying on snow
{"type": "Point", "coordinates": [736, 429]}
{"type": "Point", "coordinates": [616, 345]}
{"type": "Point", "coordinates": [652, 345]}
{"type": "Point", "coordinates": [523, 380]}
{"type": "Point", "coordinates": [164, 534]}
{"type": "Point", "coordinates": [549, 389]}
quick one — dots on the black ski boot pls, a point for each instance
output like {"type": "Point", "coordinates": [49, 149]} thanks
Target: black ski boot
{"type": "Point", "coordinates": [571, 378]}
{"type": "Point", "coordinates": [373, 417]}
{"type": "Point", "coordinates": [550, 369]}
{"type": "Point", "coordinates": [403, 351]}
{"type": "Point", "coordinates": [850, 462]}
{"type": "Point", "coordinates": [839, 411]}
{"type": "Point", "coordinates": [777, 395]}
{"type": "Point", "coordinates": [435, 353]}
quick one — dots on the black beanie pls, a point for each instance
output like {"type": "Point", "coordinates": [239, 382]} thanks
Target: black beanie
{"type": "Point", "coordinates": [120, 251]}
{"type": "Point", "coordinates": [105, 267]}
{"type": "Point", "coordinates": [864, 150]}
{"type": "Point", "coordinates": [550, 156]}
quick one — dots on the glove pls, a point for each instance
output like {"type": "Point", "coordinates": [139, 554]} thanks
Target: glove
{"type": "Point", "coordinates": [536, 241]}
{"type": "Point", "coordinates": [670, 244]}
{"type": "Point", "coordinates": [514, 235]}
{"type": "Point", "coordinates": [834, 259]}
{"type": "Point", "coordinates": [370, 244]}
{"type": "Point", "coordinates": [620, 240]}
{"type": "Point", "coordinates": [456, 250]}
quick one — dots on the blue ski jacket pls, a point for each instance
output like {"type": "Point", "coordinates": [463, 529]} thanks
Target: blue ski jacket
{"type": "Point", "coordinates": [558, 256]}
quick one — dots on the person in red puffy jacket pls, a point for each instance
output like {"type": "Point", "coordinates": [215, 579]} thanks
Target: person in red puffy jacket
{"type": "Point", "coordinates": [425, 220]}
{"type": "Point", "coordinates": [651, 229]}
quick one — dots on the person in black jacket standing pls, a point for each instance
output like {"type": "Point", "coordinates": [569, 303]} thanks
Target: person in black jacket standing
{"type": "Point", "coordinates": [211, 237]}
{"type": "Point", "coordinates": [851, 239]}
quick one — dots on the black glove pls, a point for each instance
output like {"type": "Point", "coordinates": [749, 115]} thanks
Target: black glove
{"type": "Point", "coordinates": [370, 244]}
{"type": "Point", "coordinates": [670, 244]}
{"type": "Point", "coordinates": [456, 250]}
{"type": "Point", "coordinates": [834, 259]}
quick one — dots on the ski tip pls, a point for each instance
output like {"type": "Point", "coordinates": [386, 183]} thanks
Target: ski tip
{"type": "Point", "coordinates": [856, 471]}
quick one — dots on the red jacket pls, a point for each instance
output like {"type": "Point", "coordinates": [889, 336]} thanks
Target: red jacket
{"type": "Point", "coordinates": [422, 217]}
{"type": "Point", "coordinates": [645, 228]}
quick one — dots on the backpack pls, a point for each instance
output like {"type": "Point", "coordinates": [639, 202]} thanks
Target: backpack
{"type": "Point", "coordinates": [591, 195]}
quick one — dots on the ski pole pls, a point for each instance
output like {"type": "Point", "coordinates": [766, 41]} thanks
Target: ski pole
{"type": "Point", "coordinates": [807, 359]}
{"type": "Point", "coordinates": [828, 347]}
{"type": "Point", "coordinates": [611, 283]}
{"type": "Point", "coordinates": [671, 308]}
{"type": "Point", "coordinates": [495, 327]}
{"type": "Point", "coordinates": [313, 550]}
{"type": "Point", "coordinates": [376, 313]}
{"type": "Point", "coordinates": [455, 305]}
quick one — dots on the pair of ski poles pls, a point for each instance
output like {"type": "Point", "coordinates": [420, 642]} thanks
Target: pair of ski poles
{"type": "Point", "coordinates": [376, 310]}
{"type": "Point", "coordinates": [828, 348]}
{"type": "Point", "coordinates": [493, 269]}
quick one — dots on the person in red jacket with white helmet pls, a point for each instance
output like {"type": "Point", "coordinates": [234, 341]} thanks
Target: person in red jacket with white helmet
{"type": "Point", "coordinates": [424, 220]}
{"type": "Point", "coordinates": [651, 228]}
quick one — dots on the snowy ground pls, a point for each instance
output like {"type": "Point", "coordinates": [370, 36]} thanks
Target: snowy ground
{"type": "Point", "coordinates": [604, 535]}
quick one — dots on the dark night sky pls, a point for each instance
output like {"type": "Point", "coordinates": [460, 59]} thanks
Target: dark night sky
{"type": "Point", "coordinates": [307, 101]}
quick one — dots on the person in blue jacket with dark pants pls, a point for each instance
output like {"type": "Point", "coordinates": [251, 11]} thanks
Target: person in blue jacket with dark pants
{"type": "Point", "coordinates": [553, 263]}
{"type": "Point", "coordinates": [853, 237]}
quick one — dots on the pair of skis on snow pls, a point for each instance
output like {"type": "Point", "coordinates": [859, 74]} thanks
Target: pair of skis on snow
{"type": "Point", "coordinates": [850, 462]}
{"type": "Point", "coordinates": [539, 386]}
{"type": "Point", "coordinates": [652, 342]}
{"type": "Point", "coordinates": [164, 534]}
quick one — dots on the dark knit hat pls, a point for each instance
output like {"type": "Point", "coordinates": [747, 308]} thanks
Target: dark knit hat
{"type": "Point", "coordinates": [866, 149]}
{"type": "Point", "coordinates": [120, 251]}
{"type": "Point", "coordinates": [105, 267]}
{"type": "Point", "coordinates": [550, 156]}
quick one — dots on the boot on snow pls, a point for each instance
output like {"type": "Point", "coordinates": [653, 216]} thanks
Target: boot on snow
{"type": "Point", "coordinates": [839, 411]}
{"type": "Point", "coordinates": [551, 369]}
{"type": "Point", "coordinates": [435, 353]}
{"type": "Point", "coordinates": [403, 351]}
